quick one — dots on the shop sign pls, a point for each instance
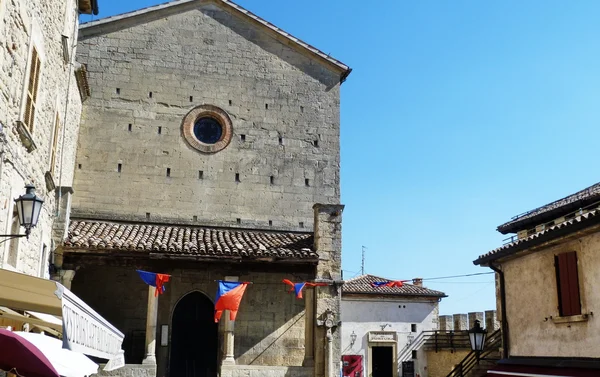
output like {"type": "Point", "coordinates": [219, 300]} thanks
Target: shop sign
{"type": "Point", "coordinates": [382, 336]}
{"type": "Point", "coordinates": [86, 331]}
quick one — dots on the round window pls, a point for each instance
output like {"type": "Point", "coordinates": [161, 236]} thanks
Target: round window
{"type": "Point", "coordinates": [207, 128]}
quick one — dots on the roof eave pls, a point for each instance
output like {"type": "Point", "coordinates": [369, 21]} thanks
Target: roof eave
{"type": "Point", "coordinates": [539, 240]}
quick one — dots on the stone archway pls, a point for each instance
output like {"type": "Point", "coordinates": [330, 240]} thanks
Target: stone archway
{"type": "Point", "coordinates": [194, 338]}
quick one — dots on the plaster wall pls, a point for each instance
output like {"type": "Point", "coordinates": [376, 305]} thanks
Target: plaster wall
{"type": "Point", "coordinates": [24, 24]}
{"type": "Point", "coordinates": [284, 107]}
{"type": "Point", "coordinates": [362, 316]}
{"type": "Point", "coordinates": [532, 302]}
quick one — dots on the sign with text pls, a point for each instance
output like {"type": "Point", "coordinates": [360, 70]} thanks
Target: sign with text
{"type": "Point", "coordinates": [86, 331]}
{"type": "Point", "coordinates": [382, 336]}
{"type": "Point", "coordinates": [118, 361]}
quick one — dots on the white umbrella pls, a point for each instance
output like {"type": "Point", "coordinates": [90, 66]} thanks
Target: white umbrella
{"type": "Point", "coordinates": [66, 362]}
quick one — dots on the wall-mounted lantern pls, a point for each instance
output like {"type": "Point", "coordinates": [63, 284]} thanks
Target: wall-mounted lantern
{"type": "Point", "coordinates": [29, 207]}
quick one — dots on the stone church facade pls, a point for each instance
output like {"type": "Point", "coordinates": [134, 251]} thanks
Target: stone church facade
{"type": "Point", "coordinates": [208, 150]}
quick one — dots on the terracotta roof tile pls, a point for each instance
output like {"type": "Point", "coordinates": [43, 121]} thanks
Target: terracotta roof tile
{"type": "Point", "coordinates": [568, 226]}
{"type": "Point", "coordinates": [362, 285]}
{"type": "Point", "coordinates": [555, 209]}
{"type": "Point", "coordinates": [187, 240]}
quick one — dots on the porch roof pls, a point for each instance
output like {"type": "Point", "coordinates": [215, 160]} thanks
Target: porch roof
{"type": "Point", "coordinates": [183, 240]}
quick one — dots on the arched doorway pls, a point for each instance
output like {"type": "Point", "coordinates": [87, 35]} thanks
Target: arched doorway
{"type": "Point", "coordinates": [194, 338]}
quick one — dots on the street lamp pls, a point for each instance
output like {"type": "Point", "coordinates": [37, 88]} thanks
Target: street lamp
{"type": "Point", "coordinates": [29, 207]}
{"type": "Point", "coordinates": [477, 338]}
{"type": "Point", "coordinates": [352, 338]}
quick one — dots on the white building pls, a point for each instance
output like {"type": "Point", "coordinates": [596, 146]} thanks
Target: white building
{"type": "Point", "coordinates": [384, 327]}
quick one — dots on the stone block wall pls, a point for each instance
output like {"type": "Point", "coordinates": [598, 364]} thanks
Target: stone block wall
{"type": "Point", "coordinates": [24, 24]}
{"type": "Point", "coordinates": [269, 329]}
{"type": "Point", "coordinates": [147, 73]}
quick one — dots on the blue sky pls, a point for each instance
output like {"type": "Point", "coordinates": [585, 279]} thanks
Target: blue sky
{"type": "Point", "coordinates": [457, 116]}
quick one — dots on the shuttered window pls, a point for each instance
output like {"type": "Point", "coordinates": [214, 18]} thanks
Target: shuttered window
{"type": "Point", "coordinates": [567, 282]}
{"type": "Point", "coordinates": [32, 89]}
{"type": "Point", "coordinates": [54, 143]}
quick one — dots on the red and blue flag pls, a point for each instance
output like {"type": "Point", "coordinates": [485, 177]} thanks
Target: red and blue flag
{"type": "Point", "coordinates": [392, 284]}
{"type": "Point", "coordinates": [155, 280]}
{"type": "Point", "coordinates": [229, 296]}
{"type": "Point", "coordinates": [298, 287]}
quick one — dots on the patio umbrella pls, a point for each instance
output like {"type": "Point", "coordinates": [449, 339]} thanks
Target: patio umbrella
{"type": "Point", "coordinates": [20, 356]}
{"type": "Point", "coordinates": [67, 363]}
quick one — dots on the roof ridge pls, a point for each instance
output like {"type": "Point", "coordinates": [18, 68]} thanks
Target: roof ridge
{"type": "Point", "coordinates": [184, 225]}
{"type": "Point", "coordinates": [239, 9]}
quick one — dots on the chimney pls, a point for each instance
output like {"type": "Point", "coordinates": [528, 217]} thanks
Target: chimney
{"type": "Point", "coordinates": [418, 282]}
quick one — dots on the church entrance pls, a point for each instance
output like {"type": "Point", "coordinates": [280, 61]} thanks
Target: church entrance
{"type": "Point", "coordinates": [194, 338]}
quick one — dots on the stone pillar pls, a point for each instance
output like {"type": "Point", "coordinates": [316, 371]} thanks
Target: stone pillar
{"type": "Point", "coordinates": [151, 318]}
{"type": "Point", "coordinates": [309, 327]}
{"type": "Point", "coordinates": [460, 322]}
{"type": "Point", "coordinates": [228, 330]}
{"type": "Point", "coordinates": [475, 316]}
{"type": "Point", "coordinates": [491, 322]}
{"type": "Point", "coordinates": [64, 277]}
{"type": "Point", "coordinates": [328, 245]}
{"type": "Point", "coordinates": [446, 323]}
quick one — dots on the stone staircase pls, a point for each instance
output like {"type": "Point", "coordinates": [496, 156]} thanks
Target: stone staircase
{"type": "Point", "coordinates": [472, 366]}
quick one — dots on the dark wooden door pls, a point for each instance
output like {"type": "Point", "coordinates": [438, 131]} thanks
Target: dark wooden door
{"type": "Point", "coordinates": [382, 364]}
{"type": "Point", "coordinates": [194, 338]}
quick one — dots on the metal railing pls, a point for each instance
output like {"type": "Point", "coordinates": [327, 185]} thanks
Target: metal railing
{"type": "Point", "coordinates": [440, 340]}
{"type": "Point", "coordinates": [492, 345]}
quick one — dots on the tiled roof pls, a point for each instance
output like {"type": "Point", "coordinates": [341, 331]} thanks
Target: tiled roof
{"type": "Point", "coordinates": [189, 241]}
{"type": "Point", "coordinates": [362, 285]}
{"type": "Point", "coordinates": [566, 227]}
{"type": "Point", "coordinates": [552, 210]}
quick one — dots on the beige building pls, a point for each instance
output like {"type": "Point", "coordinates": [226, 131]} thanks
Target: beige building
{"type": "Point", "coordinates": [42, 88]}
{"type": "Point", "coordinates": [41, 92]}
{"type": "Point", "coordinates": [547, 288]}
{"type": "Point", "coordinates": [209, 150]}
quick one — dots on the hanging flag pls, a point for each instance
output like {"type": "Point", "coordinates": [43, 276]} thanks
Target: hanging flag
{"type": "Point", "coordinates": [155, 280]}
{"type": "Point", "coordinates": [392, 284]}
{"type": "Point", "coordinates": [298, 287]}
{"type": "Point", "coordinates": [229, 296]}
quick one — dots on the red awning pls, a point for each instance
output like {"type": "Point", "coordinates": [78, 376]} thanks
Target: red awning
{"type": "Point", "coordinates": [534, 371]}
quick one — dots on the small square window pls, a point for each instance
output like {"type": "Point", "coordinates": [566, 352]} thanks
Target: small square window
{"type": "Point", "coordinates": [413, 327]}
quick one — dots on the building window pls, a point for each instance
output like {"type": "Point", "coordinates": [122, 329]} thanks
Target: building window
{"type": "Point", "coordinates": [32, 89]}
{"type": "Point", "coordinates": [414, 354]}
{"type": "Point", "coordinates": [567, 283]}
{"type": "Point", "coordinates": [54, 144]}
{"type": "Point", "coordinates": [413, 327]}
{"type": "Point", "coordinates": [207, 128]}
{"type": "Point", "coordinates": [13, 246]}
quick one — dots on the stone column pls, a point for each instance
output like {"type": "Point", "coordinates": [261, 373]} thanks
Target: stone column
{"type": "Point", "coordinates": [151, 318]}
{"type": "Point", "coordinates": [475, 316]}
{"type": "Point", "coordinates": [228, 329]}
{"type": "Point", "coordinates": [64, 277]}
{"type": "Point", "coordinates": [309, 328]}
{"type": "Point", "coordinates": [460, 322]}
{"type": "Point", "coordinates": [328, 245]}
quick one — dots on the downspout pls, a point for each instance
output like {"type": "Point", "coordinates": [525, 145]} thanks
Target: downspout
{"type": "Point", "coordinates": [503, 323]}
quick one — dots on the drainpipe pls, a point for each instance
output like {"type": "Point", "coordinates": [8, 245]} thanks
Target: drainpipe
{"type": "Point", "coordinates": [503, 323]}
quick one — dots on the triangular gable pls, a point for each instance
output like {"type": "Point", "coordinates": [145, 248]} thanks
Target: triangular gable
{"type": "Point", "coordinates": [117, 22]}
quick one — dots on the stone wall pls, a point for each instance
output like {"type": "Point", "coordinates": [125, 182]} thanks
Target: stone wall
{"type": "Point", "coordinates": [24, 24]}
{"type": "Point", "coordinates": [147, 73]}
{"type": "Point", "coordinates": [269, 329]}
{"type": "Point", "coordinates": [440, 363]}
